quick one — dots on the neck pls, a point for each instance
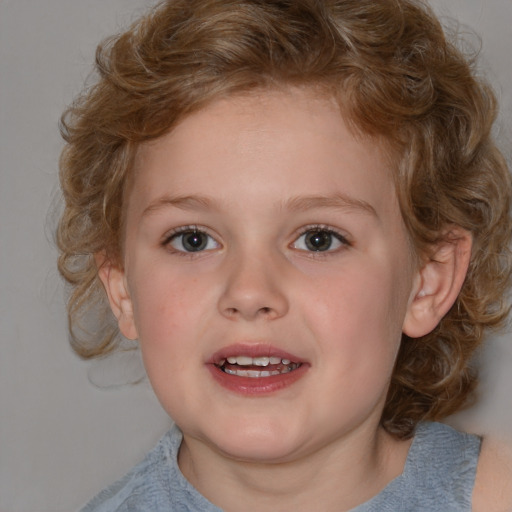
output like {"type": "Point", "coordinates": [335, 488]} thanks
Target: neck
{"type": "Point", "coordinates": [339, 476]}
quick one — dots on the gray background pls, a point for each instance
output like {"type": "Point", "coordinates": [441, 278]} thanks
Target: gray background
{"type": "Point", "coordinates": [62, 438]}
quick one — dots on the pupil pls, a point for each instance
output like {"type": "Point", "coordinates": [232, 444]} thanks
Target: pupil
{"type": "Point", "coordinates": [319, 241]}
{"type": "Point", "coordinates": [194, 241]}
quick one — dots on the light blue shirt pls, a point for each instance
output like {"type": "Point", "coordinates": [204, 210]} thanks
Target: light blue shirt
{"type": "Point", "coordinates": [438, 476]}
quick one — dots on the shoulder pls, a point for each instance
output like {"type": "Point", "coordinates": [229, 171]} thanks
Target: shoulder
{"type": "Point", "coordinates": [445, 464]}
{"type": "Point", "coordinates": [145, 485]}
{"type": "Point", "coordinates": [493, 483]}
{"type": "Point", "coordinates": [439, 472]}
{"type": "Point", "coordinates": [155, 484]}
{"type": "Point", "coordinates": [448, 454]}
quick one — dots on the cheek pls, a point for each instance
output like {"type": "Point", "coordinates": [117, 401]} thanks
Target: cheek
{"type": "Point", "coordinates": [359, 311]}
{"type": "Point", "coordinates": [165, 307]}
{"type": "Point", "coordinates": [165, 313]}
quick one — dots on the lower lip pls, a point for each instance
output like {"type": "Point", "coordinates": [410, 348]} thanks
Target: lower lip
{"type": "Point", "coordinates": [257, 386]}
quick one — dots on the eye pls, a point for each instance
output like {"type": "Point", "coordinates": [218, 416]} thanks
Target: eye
{"type": "Point", "coordinates": [319, 240]}
{"type": "Point", "coordinates": [192, 240]}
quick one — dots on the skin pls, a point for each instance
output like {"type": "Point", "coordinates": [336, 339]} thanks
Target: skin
{"type": "Point", "coordinates": [257, 175]}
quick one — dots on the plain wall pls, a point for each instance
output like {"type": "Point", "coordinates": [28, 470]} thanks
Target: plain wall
{"type": "Point", "coordinates": [61, 437]}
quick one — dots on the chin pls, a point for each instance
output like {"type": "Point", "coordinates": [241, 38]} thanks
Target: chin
{"type": "Point", "coordinates": [262, 443]}
{"type": "Point", "coordinates": [258, 453]}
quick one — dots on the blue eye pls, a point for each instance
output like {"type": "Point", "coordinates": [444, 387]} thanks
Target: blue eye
{"type": "Point", "coordinates": [319, 240]}
{"type": "Point", "coordinates": [192, 240]}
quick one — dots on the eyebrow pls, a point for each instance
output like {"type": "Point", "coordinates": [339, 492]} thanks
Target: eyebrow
{"type": "Point", "coordinates": [182, 202]}
{"type": "Point", "coordinates": [300, 203]}
{"type": "Point", "coordinates": [338, 201]}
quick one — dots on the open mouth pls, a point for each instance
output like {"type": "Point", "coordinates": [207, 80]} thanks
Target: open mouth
{"type": "Point", "coordinates": [257, 367]}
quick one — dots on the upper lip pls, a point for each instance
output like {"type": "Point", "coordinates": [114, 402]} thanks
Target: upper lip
{"type": "Point", "coordinates": [251, 350]}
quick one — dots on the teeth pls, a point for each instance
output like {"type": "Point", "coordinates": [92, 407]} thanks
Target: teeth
{"type": "Point", "coordinates": [261, 361]}
{"type": "Point", "coordinates": [255, 374]}
{"type": "Point", "coordinates": [254, 361]}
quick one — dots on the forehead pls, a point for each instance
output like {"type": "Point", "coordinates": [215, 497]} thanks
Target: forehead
{"type": "Point", "coordinates": [296, 139]}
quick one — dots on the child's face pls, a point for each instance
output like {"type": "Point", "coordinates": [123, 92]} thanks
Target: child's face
{"type": "Point", "coordinates": [261, 227]}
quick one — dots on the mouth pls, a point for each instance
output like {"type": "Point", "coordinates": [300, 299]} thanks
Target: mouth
{"type": "Point", "coordinates": [257, 367]}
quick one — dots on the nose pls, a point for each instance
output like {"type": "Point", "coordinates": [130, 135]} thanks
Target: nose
{"type": "Point", "coordinates": [254, 289]}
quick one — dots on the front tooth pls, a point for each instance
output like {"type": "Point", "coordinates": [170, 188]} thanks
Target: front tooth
{"type": "Point", "coordinates": [254, 374]}
{"type": "Point", "coordinates": [285, 361]}
{"type": "Point", "coordinates": [275, 360]}
{"type": "Point", "coordinates": [261, 361]}
{"type": "Point", "coordinates": [243, 360]}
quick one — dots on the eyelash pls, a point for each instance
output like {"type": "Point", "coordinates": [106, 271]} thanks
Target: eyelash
{"type": "Point", "coordinates": [322, 228]}
{"type": "Point", "coordinates": [182, 230]}
{"type": "Point", "coordinates": [317, 228]}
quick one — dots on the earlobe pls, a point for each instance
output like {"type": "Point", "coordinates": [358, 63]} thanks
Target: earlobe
{"type": "Point", "coordinates": [114, 282]}
{"type": "Point", "coordinates": [438, 283]}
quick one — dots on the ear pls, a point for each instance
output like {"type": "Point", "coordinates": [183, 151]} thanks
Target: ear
{"type": "Point", "coordinates": [114, 282]}
{"type": "Point", "coordinates": [438, 283]}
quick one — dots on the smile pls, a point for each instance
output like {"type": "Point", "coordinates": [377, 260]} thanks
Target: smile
{"type": "Point", "coordinates": [256, 370]}
{"type": "Point", "coordinates": [245, 366]}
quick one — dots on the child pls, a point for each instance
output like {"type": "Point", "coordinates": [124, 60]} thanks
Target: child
{"type": "Point", "coordinates": [296, 208]}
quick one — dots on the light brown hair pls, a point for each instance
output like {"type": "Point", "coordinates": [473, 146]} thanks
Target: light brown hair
{"type": "Point", "coordinates": [396, 77]}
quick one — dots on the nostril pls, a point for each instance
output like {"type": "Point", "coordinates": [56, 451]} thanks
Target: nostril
{"type": "Point", "coordinates": [234, 312]}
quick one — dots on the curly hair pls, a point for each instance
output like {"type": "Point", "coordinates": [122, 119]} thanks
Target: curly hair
{"type": "Point", "coordinates": [396, 77]}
